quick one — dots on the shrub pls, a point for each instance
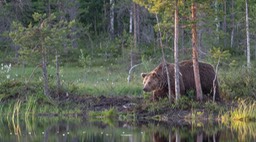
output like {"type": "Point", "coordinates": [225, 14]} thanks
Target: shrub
{"type": "Point", "coordinates": [238, 82]}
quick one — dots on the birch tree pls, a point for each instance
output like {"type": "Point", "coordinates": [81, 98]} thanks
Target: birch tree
{"type": "Point", "coordinates": [247, 35]}
{"type": "Point", "coordinates": [131, 18]}
{"type": "Point", "coordinates": [176, 51]}
{"type": "Point", "coordinates": [164, 61]}
{"type": "Point", "coordinates": [232, 24]}
{"type": "Point", "coordinates": [155, 8]}
{"type": "Point", "coordinates": [112, 16]}
{"type": "Point", "coordinates": [216, 5]}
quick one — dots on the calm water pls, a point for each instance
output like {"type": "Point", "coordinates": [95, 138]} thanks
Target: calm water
{"type": "Point", "coordinates": [45, 129]}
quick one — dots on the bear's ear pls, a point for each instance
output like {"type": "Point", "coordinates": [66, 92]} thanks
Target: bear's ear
{"type": "Point", "coordinates": [143, 75]}
{"type": "Point", "coordinates": [154, 74]}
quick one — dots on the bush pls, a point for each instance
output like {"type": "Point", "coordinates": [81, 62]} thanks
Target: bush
{"type": "Point", "coordinates": [238, 82]}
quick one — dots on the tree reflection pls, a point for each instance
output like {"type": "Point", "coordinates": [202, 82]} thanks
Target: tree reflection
{"type": "Point", "coordinates": [77, 130]}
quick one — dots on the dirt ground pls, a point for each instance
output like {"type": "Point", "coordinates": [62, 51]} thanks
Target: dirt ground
{"type": "Point", "coordinates": [142, 108]}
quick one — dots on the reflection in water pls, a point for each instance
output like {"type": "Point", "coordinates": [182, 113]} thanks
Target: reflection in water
{"type": "Point", "coordinates": [182, 136]}
{"type": "Point", "coordinates": [49, 129]}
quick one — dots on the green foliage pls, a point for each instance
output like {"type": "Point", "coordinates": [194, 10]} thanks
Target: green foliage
{"type": "Point", "coordinates": [45, 36]}
{"type": "Point", "coordinates": [154, 6]}
{"type": "Point", "coordinates": [217, 54]}
{"type": "Point", "coordinates": [111, 113]}
{"type": "Point", "coordinates": [212, 107]}
{"type": "Point", "coordinates": [238, 83]}
{"type": "Point", "coordinates": [84, 60]}
{"type": "Point", "coordinates": [185, 103]}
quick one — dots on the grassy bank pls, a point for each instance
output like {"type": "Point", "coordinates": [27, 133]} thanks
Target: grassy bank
{"type": "Point", "coordinates": [21, 92]}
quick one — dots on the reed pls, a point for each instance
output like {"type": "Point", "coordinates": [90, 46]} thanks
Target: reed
{"type": "Point", "coordinates": [16, 118]}
{"type": "Point", "coordinates": [245, 111]}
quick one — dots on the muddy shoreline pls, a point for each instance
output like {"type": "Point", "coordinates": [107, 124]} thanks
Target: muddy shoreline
{"type": "Point", "coordinates": [142, 109]}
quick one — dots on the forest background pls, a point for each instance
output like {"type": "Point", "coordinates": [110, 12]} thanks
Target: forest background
{"type": "Point", "coordinates": [100, 47]}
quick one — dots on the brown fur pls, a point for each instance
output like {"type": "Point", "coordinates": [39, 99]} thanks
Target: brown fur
{"type": "Point", "coordinates": [156, 80]}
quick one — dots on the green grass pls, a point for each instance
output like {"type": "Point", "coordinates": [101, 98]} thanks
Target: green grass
{"type": "Point", "coordinates": [245, 111]}
{"type": "Point", "coordinates": [109, 77]}
{"type": "Point", "coordinates": [95, 80]}
{"type": "Point", "coordinates": [26, 84]}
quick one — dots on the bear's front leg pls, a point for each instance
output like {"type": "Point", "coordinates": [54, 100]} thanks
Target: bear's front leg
{"type": "Point", "coordinates": [159, 94]}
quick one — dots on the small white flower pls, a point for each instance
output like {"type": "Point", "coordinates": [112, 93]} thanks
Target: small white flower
{"type": "Point", "coordinates": [8, 76]}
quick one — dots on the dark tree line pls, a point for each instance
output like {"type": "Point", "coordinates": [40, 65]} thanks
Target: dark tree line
{"type": "Point", "coordinates": [220, 23]}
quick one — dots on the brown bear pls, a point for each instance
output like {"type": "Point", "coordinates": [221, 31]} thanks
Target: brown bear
{"type": "Point", "coordinates": [156, 80]}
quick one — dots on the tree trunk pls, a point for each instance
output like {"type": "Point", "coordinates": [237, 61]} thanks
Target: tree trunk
{"type": "Point", "coordinates": [170, 136]}
{"type": "Point", "coordinates": [247, 36]}
{"type": "Point", "coordinates": [57, 74]}
{"type": "Point", "coordinates": [45, 74]}
{"type": "Point", "coordinates": [135, 24]}
{"type": "Point", "coordinates": [225, 22]}
{"type": "Point", "coordinates": [233, 24]}
{"type": "Point", "coordinates": [138, 23]}
{"type": "Point", "coordinates": [112, 4]}
{"type": "Point", "coordinates": [73, 12]}
{"type": "Point", "coordinates": [176, 52]}
{"type": "Point", "coordinates": [177, 136]}
{"type": "Point", "coordinates": [182, 41]}
{"type": "Point", "coordinates": [217, 20]}
{"type": "Point", "coordinates": [134, 32]}
{"type": "Point", "coordinates": [199, 95]}
{"type": "Point", "coordinates": [215, 80]}
{"type": "Point", "coordinates": [131, 19]}
{"type": "Point", "coordinates": [164, 61]}
{"type": "Point", "coordinates": [199, 137]}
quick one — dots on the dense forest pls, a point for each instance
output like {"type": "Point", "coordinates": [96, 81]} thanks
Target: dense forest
{"type": "Point", "coordinates": [122, 25]}
{"type": "Point", "coordinates": [91, 46]}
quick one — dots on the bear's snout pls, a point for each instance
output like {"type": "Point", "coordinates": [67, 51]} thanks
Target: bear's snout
{"type": "Point", "coordinates": [146, 89]}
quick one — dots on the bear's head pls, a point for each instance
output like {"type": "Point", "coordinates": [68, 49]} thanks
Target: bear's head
{"type": "Point", "coordinates": [151, 81]}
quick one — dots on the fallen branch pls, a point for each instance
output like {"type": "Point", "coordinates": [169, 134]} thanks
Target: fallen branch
{"type": "Point", "coordinates": [130, 71]}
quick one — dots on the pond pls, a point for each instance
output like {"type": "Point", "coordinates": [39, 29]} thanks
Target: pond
{"type": "Point", "coordinates": [55, 129]}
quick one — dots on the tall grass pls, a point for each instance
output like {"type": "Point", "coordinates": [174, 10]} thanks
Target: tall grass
{"type": "Point", "coordinates": [245, 130]}
{"type": "Point", "coordinates": [96, 80]}
{"type": "Point", "coordinates": [245, 111]}
{"type": "Point", "coordinates": [16, 118]}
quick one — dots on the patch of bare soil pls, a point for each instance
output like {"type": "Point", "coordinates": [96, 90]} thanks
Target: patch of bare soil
{"type": "Point", "coordinates": [143, 109]}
